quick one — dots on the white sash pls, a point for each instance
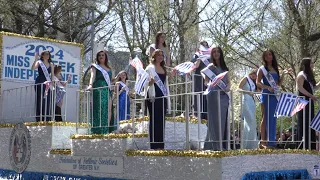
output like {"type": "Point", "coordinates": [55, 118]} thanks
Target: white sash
{"type": "Point", "coordinates": [204, 58]}
{"type": "Point", "coordinates": [160, 84]}
{"type": "Point", "coordinates": [305, 77]}
{"type": "Point", "coordinates": [211, 75]}
{"type": "Point", "coordinates": [58, 82]}
{"type": "Point", "coordinates": [104, 73]}
{"type": "Point", "coordinates": [251, 84]}
{"type": "Point", "coordinates": [44, 70]}
{"type": "Point", "coordinates": [125, 86]}
{"type": "Point", "coordinates": [270, 79]}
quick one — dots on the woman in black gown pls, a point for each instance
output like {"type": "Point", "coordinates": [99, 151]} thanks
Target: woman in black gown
{"type": "Point", "coordinates": [306, 85]}
{"type": "Point", "coordinates": [157, 106]}
{"type": "Point", "coordinates": [41, 99]}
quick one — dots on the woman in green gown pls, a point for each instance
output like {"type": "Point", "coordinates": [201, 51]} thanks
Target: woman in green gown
{"type": "Point", "coordinates": [101, 85]}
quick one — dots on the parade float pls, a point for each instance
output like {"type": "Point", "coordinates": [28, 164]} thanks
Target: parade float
{"type": "Point", "coordinates": [65, 150]}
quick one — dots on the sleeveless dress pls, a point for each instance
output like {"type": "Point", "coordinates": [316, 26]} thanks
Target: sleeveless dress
{"type": "Point", "coordinates": [270, 103]}
{"type": "Point", "coordinates": [123, 97]}
{"type": "Point", "coordinates": [307, 87]}
{"type": "Point", "coordinates": [100, 101]}
{"type": "Point", "coordinates": [157, 118]}
{"type": "Point", "coordinates": [199, 87]}
{"type": "Point", "coordinates": [213, 132]}
{"type": "Point", "coordinates": [249, 133]}
{"type": "Point", "coordinates": [42, 101]}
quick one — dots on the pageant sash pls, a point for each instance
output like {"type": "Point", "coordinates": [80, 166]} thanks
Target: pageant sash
{"type": "Point", "coordinates": [47, 83]}
{"type": "Point", "coordinates": [104, 73]}
{"type": "Point", "coordinates": [44, 70]}
{"type": "Point", "coordinates": [215, 80]}
{"type": "Point", "coordinates": [211, 75]}
{"type": "Point", "coordinates": [204, 59]}
{"type": "Point", "coordinates": [58, 83]}
{"type": "Point", "coordinates": [125, 86]}
{"type": "Point", "coordinates": [270, 79]}
{"type": "Point", "coordinates": [305, 77]}
{"type": "Point", "coordinates": [251, 84]}
{"type": "Point", "coordinates": [160, 84]}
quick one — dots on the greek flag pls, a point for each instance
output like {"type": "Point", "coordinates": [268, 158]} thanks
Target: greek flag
{"type": "Point", "coordinates": [315, 123]}
{"type": "Point", "coordinates": [285, 104]}
{"type": "Point", "coordinates": [258, 97]}
{"type": "Point", "coordinates": [185, 68]}
{"type": "Point", "coordinates": [142, 75]}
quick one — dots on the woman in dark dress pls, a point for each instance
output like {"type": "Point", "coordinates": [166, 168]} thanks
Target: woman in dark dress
{"type": "Point", "coordinates": [157, 106]}
{"type": "Point", "coordinates": [45, 67]}
{"type": "Point", "coordinates": [306, 85]}
{"type": "Point", "coordinates": [198, 85]}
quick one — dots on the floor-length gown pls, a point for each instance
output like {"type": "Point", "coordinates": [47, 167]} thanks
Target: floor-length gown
{"type": "Point", "coordinates": [199, 87]}
{"type": "Point", "coordinates": [307, 87]}
{"type": "Point", "coordinates": [249, 133]}
{"type": "Point", "coordinates": [100, 101]}
{"type": "Point", "coordinates": [213, 132]}
{"type": "Point", "coordinates": [157, 118]}
{"type": "Point", "coordinates": [270, 102]}
{"type": "Point", "coordinates": [123, 97]}
{"type": "Point", "coordinates": [41, 99]}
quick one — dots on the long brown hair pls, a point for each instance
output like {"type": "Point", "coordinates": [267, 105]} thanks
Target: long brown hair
{"type": "Point", "coordinates": [106, 61]}
{"type": "Point", "coordinates": [305, 66]}
{"type": "Point", "coordinates": [158, 39]}
{"type": "Point", "coordinates": [153, 59]}
{"type": "Point", "coordinates": [42, 54]}
{"type": "Point", "coordinates": [221, 59]}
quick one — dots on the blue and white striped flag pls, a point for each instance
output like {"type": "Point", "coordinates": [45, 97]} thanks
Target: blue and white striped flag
{"type": "Point", "coordinates": [185, 68]}
{"type": "Point", "coordinates": [142, 76]}
{"type": "Point", "coordinates": [258, 97]}
{"type": "Point", "coordinates": [286, 103]}
{"type": "Point", "coordinates": [315, 123]}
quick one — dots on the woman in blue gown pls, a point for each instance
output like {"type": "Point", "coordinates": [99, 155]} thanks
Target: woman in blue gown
{"type": "Point", "coordinates": [249, 133]}
{"type": "Point", "coordinates": [124, 98]}
{"type": "Point", "coordinates": [269, 98]}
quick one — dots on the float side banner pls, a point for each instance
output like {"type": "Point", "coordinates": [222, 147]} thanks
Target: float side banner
{"type": "Point", "coordinates": [18, 55]}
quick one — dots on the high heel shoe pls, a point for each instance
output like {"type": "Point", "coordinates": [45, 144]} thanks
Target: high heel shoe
{"type": "Point", "coordinates": [262, 146]}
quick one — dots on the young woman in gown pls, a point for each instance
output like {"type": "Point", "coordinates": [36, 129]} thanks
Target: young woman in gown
{"type": "Point", "coordinates": [157, 106]}
{"type": "Point", "coordinates": [249, 133]}
{"type": "Point", "coordinates": [42, 101]}
{"type": "Point", "coordinates": [198, 83]}
{"type": "Point", "coordinates": [60, 91]}
{"type": "Point", "coordinates": [269, 99]}
{"type": "Point", "coordinates": [124, 98]}
{"type": "Point", "coordinates": [103, 121]}
{"type": "Point", "coordinates": [217, 66]}
{"type": "Point", "coordinates": [160, 43]}
{"type": "Point", "coordinates": [306, 84]}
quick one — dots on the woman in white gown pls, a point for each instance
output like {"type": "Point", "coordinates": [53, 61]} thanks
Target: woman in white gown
{"type": "Point", "coordinates": [249, 133]}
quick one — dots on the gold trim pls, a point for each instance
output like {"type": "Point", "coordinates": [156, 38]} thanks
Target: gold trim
{"type": "Point", "coordinates": [61, 151]}
{"type": "Point", "coordinates": [41, 39]}
{"type": "Point", "coordinates": [49, 123]}
{"type": "Point", "coordinates": [217, 154]}
{"type": "Point", "coordinates": [170, 119]}
{"type": "Point", "coordinates": [109, 136]}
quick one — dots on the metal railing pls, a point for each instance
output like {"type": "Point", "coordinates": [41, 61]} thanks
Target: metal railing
{"type": "Point", "coordinates": [184, 124]}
